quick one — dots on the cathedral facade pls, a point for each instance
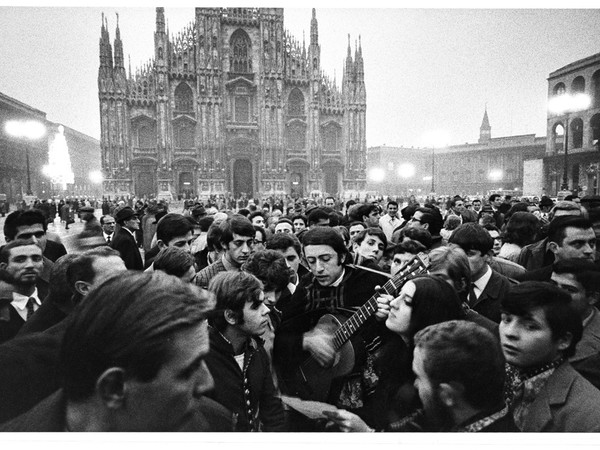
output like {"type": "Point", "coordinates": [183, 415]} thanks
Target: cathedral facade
{"type": "Point", "coordinates": [231, 105]}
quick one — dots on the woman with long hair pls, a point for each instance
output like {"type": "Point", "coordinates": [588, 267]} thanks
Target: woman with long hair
{"type": "Point", "coordinates": [521, 230]}
{"type": "Point", "coordinates": [422, 301]}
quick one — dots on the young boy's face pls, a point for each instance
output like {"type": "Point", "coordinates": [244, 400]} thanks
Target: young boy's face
{"type": "Point", "coordinates": [527, 341]}
{"type": "Point", "coordinates": [255, 314]}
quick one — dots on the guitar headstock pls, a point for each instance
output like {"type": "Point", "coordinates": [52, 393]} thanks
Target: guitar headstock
{"type": "Point", "coordinates": [417, 265]}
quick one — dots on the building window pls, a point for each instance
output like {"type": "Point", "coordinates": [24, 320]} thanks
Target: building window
{"type": "Point", "coordinates": [296, 103]}
{"type": "Point", "coordinates": [240, 45]}
{"type": "Point", "coordinates": [558, 138]}
{"type": "Point", "coordinates": [578, 85]}
{"type": "Point", "coordinates": [297, 136]}
{"type": "Point", "coordinates": [184, 98]}
{"type": "Point", "coordinates": [596, 89]}
{"type": "Point", "coordinates": [242, 109]}
{"type": "Point", "coordinates": [184, 135]}
{"type": "Point", "coordinates": [331, 137]}
{"type": "Point", "coordinates": [560, 89]}
{"type": "Point", "coordinates": [577, 133]}
{"type": "Point", "coordinates": [146, 137]}
{"type": "Point", "coordinates": [595, 126]}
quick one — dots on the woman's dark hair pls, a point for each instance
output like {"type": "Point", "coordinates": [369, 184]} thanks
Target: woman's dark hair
{"type": "Point", "coordinates": [521, 229]}
{"type": "Point", "coordinates": [434, 301]}
{"type": "Point", "coordinates": [516, 207]}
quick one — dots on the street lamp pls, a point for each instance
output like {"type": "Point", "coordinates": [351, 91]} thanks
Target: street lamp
{"type": "Point", "coordinates": [29, 129]}
{"type": "Point", "coordinates": [433, 139]}
{"type": "Point", "coordinates": [406, 171]}
{"type": "Point", "coordinates": [377, 174]}
{"type": "Point", "coordinates": [565, 104]}
{"type": "Point", "coordinates": [495, 174]}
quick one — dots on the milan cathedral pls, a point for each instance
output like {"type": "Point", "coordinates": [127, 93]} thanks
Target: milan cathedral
{"type": "Point", "coordinates": [231, 105]}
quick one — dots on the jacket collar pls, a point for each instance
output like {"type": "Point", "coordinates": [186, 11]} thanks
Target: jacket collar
{"type": "Point", "coordinates": [554, 393]}
{"type": "Point", "coordinates": [219, 343]}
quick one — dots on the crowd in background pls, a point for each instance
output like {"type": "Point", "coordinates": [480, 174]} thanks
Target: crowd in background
{"type": "Point", "coordinates": [398, 314]}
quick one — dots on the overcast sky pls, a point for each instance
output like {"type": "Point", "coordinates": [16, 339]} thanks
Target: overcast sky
{"type": "Point", "coordinates": [425, 69]}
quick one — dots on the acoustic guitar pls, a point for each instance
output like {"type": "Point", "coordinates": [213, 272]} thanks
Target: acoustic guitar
{"type": "Point", "coordinates": [310, 380]}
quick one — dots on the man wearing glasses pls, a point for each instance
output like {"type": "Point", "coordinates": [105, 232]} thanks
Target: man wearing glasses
{"type": "Point", "coordinates": [428, 219]}
{"type": "Point", "coordinates": [237, 239]}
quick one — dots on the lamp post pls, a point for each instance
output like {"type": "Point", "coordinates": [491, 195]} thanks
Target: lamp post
{"type": "Point", "coordinates": [30, 130]}
{"type": "Point", "coordinates": [438, 138]}
{"type": "Point", "coordinates": [566, 104]}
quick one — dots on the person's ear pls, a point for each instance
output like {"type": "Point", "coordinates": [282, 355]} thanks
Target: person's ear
{"type": "Point", "coordinates": [593, 297]}
{"type": "Point", "coordinates": [161, 244]}
{"type": "Point", "coordinates": [450, 393]}
{"type": "Point", "coordinates": [110, 386]}
{"type": "Point", "coordinates": [83, 287]}
{"type": "Point", "coordinates": [230, 317]}
{"type": "Point", "coordinates": [3, 265]}
{"type": "Point", "coordinates": [564, 342]}
{"type": "Point", "coordinates": [553, 247]}
{"type": "Point", "coordinates": [342, 257]}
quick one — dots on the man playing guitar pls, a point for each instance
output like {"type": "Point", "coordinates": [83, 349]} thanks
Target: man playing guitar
{"type": "Point", "coordinates": [332, 287]}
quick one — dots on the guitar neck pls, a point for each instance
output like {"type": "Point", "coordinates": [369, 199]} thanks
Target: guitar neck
{"type": "Point", "coordinates": [417, 266]}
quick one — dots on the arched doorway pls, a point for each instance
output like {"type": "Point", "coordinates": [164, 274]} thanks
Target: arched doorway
{"type": "Point", "coordinates": [186, 185]}
{"type": "Point", "coordinates": [297, 185]}
{"type": "Point", "coordinates": [242, 178]}
{"type": "Point", "coordinates": [332, 171]}
{"type": "Point", "coordinates": [145, 183]}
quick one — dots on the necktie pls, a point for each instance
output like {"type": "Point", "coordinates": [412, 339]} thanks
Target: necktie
{"type": "Point", "coordinates": [108, 239]}
{"type": "Point", "coordinates": [29, 307]}
{"type": "Point", "coordinates": [472, 295]}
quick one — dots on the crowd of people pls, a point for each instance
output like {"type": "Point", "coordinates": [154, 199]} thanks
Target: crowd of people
{"type": "Point", "coordinates": [469, 314]}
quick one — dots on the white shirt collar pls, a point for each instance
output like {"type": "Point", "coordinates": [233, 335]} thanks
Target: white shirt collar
{"type": "Point", "coordinates": [20, 301]}
{"type": "Point", "coordinates": [128, 230]}
{"type": "Point", "coordinates": [483, 281]}
{"type": "Point", "coordinates": [337, 282]}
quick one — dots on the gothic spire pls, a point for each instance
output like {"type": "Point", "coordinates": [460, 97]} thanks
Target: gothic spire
{"type": "Point", "coordinates": [359, 47]}
{"type": "Point", "coordinates": [160, 20]}
{"type": "Point", "coordinates": [106, 60]}
{"type": "Point", "coordinates": [360, 66]}
{"type": "Point", "coordinates": [119, 63]}
{"type": "Point", "coordinates": [485, 131]}
{"type": "Point", "coordinates": [349, 49]}
{"type": "Point", "coordinates": [485, 123]}
{"type": "Point", "coordinates": [314, 28]}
